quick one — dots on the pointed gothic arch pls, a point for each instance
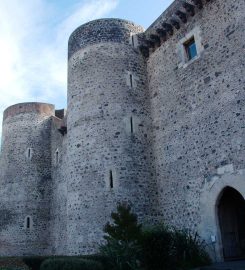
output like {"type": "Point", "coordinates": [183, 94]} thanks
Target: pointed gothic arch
{"type": "Point", "coordinates": [209, 226]}
{"type": "Point", "coordinates": [231, 219]}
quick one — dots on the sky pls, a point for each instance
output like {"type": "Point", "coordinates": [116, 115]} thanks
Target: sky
{"type": "Point", "coordinates": [33, 42]}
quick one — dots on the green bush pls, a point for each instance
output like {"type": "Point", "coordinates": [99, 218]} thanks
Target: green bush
{"type": "Point", "coordinates": [11, 268]}
{"type": "Point", "coordinates": [156, 245]}
{"type": "Point", "coordinates": [104, 260]}
{"type": "Point", "coordinates": [122, 236]}
{"type": "Point", "coordinates": [163, 248]}
{"type": "Point", "coordinates": [188, 250]}
{"type": "Point", "coordinates": [122, 255]}
{"type": "Point", "coordinates": [34, 262]}
{"type": "Point", "coordinates": [70, 264]}
{"type": "Point", "coordinates": [128, 247]}
{"type": "Point", "coordinates": [125, 225]}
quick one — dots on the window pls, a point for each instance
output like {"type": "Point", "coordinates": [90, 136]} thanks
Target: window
{"type": "Point", "coordinates": [131, 80]}
{"type": "Point", "coordinates": [111, 182]}
{"type": "Point", "coordinates": [111, 179]}
{"type": "Point", "coordinates": [28, 223]}
{"type": "Point", "coordinates": [29, 153]}
{"type": "Point", "coordinates": [57, 156]}
{"type": "Point", "coordinates": [131, 125]}
{"type": "Point", "coordinates": [132, 40]}
{"type": "Point", "coordinates": [190, 48]}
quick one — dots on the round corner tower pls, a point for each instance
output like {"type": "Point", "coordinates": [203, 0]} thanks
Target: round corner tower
{"type": "Point", "coordinates": [25, 175]}
{"type": "Point", "coordinates": [108, 129]}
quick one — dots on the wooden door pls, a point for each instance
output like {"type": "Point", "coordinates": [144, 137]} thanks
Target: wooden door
{"type": "Point", "coordinates": [231, 211]}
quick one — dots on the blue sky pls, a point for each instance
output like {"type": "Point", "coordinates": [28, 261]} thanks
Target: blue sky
{"type": "Point", "coordinates": [33, 42]}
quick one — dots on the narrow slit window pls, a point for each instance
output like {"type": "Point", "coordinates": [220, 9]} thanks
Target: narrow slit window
{"type": "Point", "coordinates": [28, 223]}
{"type": "Point", "coordinates": [29, 153]}
{"type": "Point", "coordinates": [131, 125]}
{"type": "Point", "coordinates": [190, 48]}
{"type": "Point", "coordinates": [132, 39]}
{"type": "Point", "coordinates": [111, 179]}
{"type": "Point", "coordinates": [56, 156]}
{"type": "Point", "coordinates": [131, 80]}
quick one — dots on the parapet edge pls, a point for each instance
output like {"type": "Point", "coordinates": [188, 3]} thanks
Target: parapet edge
{"type": "Point", "coordinates": [29, 107]}
{"type": "Point", "coordinates": [102, 30]}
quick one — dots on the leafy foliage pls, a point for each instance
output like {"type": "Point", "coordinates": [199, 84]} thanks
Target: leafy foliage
{"type": "Point", "coordinates": [34, 262]}
{"type": "Point", "coordinates": [164, 248]}
{"type": "Point", "coordinates": [125, 225]}
{"type": "Point", "coordinates": [122, 255]}
{"type": "Point", "coordinates": [122, 248]}
{"type": "Point", "coordinates": [157, 248]}
{"type": "Point", "coordinates": [70, 264]}
{"type": "Point", "coordinates": [129, 247]}
{"type": "Point", "coordinates": [189, 250]}
{"type": "Point", "coordinates": [104, 260]}
{"type": "Point", "coordinates": [11, 268]}
{"type": "Point", "coordinates": [8, 263]}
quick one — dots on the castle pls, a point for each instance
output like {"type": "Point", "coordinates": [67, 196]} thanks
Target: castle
{"type": "Point", "coordinates": [155, 118]}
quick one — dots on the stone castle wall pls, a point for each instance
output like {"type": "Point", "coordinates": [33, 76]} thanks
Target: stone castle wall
{"type": "Point", "coordinates": [197, 109]}
{"type": "Point", "coordinates": [144, 125]}
{"type": "Point", "coordinates": [59, 187]}
{"type": "Point", "coordinates": [25, 179]}
{"type": "Point", "coordinates": [107, 130]}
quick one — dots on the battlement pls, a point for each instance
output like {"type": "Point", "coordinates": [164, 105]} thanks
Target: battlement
{"type": "Point", "coordinates": [103, 30]}
{"type": "Point", "coordinates": [29, 107]}
{"type": "Point", "coordinates": [169, 22]}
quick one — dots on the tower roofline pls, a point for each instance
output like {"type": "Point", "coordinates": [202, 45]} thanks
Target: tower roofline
{"type": "Point", "coordinates": [29, 107]}
{"type": "Point", "coordinates": [100, 31]}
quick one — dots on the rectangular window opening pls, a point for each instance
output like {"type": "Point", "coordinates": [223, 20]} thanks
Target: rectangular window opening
{"type": "Point", "coordinates": [56, 157]}
{"type": "Point", "coordinates": [29, 153]}
{"type": "Point", "coordinates": [132, 38]}
{"type": "Point", "coordinates": [131, 80]}
{"type": "Point", "coordinates": [131, 125]}
{"type": "Point", "coordinates": [28, 223]}
{"type": "Point", "coordinates": [111, 180]}
{"type": "Point", "coordinates": [190, 48]}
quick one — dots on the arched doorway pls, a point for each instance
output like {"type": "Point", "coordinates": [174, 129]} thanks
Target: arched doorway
{"type": "Point", "coordinates": [231, 215]}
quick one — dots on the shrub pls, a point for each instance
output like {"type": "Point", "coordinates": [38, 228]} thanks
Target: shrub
{"type": "Point", "coordinates": [129, 247]}
{"type": "Point", "coordinates": [122, 255]}
{"type": "Point", "coordinates": [167, 249]}
{"type": "Point", "coordinates": [122, 248]}
{"type": "Point", "coordinates": [125, 225]}
{"type": "Point", "coordinates": [104, 260]}
{"type": "Point", "coordinates": [189, 250]}
{"type": "Point", "coordinates": [70, 264]}
{"type": "Point", "coordinates": [157, 249]}
{"type": "Point", "coordinates": [5, 268]}
{"type": "Point", "coordinates": [34, 262]}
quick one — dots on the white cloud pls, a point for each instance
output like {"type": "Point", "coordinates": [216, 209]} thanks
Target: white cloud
{"type": "Point", "coordinates": [85, 12]}
{"type": "Point", "coordinates": [33, 47]}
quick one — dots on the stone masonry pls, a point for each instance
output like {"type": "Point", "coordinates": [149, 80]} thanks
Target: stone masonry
{"type": "Point", "coordinates": [145, 124]}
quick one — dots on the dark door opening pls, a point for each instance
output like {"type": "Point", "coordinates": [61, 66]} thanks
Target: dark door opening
{"type": "Point", "coordinates": [231, 213]}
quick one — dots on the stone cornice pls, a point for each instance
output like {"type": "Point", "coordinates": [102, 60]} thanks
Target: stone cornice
{"type": "Point", "coordinates": [178, 14]}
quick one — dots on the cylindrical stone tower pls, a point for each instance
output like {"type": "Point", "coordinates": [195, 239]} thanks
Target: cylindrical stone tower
{"type": "Point", "coordinates": [25, 179]}
{"type": "Point", "coordinates": [108, 129]}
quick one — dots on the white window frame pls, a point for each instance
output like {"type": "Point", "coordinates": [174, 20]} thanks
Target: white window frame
{"type": "Point", "coordinates": [184, 61]}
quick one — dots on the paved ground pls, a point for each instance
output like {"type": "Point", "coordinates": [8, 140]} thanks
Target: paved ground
{"type": "Point", "coordinates": [235, 265]}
